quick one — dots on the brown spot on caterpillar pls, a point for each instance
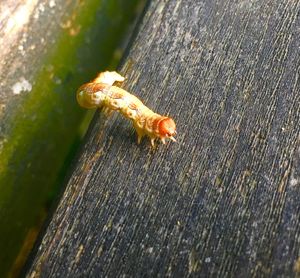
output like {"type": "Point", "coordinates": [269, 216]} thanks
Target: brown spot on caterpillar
{"type": "Point", "coordinates": [100, 87]}
{"type": "Point", "coordinates": [101, 93]}
{"type": "Point", "coordinates": [89, 95]}
{"type": "Point", "coordinates": [116, 95]}
{"type": "Point", "coordinates": [132, 106]}
{"type": "Point", "coordinates": [155, 124]}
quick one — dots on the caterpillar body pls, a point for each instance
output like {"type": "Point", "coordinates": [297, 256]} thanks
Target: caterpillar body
{"type": "Point", "coordinates": [100, 93]}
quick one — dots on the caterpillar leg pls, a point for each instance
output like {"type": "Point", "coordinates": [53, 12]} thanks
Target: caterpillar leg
{"type": "Point", "coordinates": [108, 77]}
{"type": "Point", "coordinates": [139, 138]}
{"type": "Point", "coordinates": [163, 140]}
{"type": "Point", "coordinates": [140, 133]}
{"type": "Point", "coordinates": [173, 139]}
{"type": "Point", "coordinates": [152, 140]}
{"type": "Point", "coordinates": [107, 111]}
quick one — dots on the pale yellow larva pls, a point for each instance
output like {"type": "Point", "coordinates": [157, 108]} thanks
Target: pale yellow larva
{"type": "Point", "coordinates": [100, 93]}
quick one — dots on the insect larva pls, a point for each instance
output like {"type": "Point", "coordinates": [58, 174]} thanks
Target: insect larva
{"type": "Point", "coordinates": [100, 93]}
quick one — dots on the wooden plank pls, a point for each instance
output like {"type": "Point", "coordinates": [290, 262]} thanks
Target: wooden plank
{"type": "Point", "coordinates": [224, 200]}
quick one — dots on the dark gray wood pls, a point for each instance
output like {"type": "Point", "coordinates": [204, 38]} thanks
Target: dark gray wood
{"type": "Point", "coordinates": [224, 200]}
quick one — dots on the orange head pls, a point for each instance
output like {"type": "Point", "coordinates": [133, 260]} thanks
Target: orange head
{"type": "Point", "coordinates": [167, 128]}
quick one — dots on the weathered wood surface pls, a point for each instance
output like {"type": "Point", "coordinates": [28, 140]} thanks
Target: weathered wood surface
{"type": "Point", "coordinates": [224, 200]}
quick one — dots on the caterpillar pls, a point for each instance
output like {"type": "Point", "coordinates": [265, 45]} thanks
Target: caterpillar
{"type": "Point", "coordinates": [101, 93]}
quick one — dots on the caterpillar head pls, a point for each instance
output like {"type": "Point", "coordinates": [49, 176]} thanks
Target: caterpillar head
{"type": "Point", "coordinates": [167, 128]}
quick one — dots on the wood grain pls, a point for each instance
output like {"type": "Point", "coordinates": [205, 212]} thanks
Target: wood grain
{"type": "Point", "coordinates": [224, 200]}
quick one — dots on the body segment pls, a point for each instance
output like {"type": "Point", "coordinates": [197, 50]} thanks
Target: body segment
{"type": "Point", "coordinates": [100, 93]}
